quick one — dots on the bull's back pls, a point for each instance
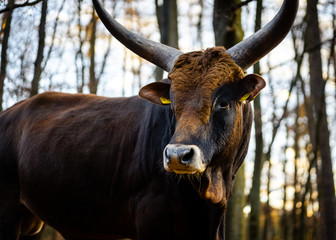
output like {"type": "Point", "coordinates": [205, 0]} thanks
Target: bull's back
{"type": "Point", "coordinates": [62, 120]}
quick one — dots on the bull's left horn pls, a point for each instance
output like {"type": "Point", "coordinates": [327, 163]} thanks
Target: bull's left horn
{"type": "Point", "coordinates": [159, 54]}
{"type": "Point", "coordinates": [253, 48]}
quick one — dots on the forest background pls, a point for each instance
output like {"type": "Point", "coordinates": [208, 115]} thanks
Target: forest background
{"type": "Point", "coordinates": [286, 187]}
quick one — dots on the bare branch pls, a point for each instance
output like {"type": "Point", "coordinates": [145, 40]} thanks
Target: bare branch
{"type": "Point", "coordinates": [25, 4]}
{"type": "Point", "coordinates": [53, 37]}
{"type": "Point", "coordinates": [242, 4]}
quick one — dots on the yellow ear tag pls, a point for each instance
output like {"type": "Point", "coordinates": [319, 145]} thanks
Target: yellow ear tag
{"type": "Point", "coordinates": [246, 96]}
{"type": "Point", "coordinates": [165, 100]}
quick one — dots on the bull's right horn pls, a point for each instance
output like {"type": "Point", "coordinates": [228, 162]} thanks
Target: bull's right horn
{"type": "Point", "coordinates": [157, 53]}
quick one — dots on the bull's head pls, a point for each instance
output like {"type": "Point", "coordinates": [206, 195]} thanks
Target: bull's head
{"type": "Point", "coordinates": [208, 92]}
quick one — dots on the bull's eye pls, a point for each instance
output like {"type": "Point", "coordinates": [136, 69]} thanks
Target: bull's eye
{"type": "Point", "coordinates": [221, 104]}
{"type": "Point", "coordinates": [224, 105]}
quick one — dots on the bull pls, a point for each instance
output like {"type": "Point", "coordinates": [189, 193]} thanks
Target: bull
{"type": "Point", "coordinates": [156, 167]}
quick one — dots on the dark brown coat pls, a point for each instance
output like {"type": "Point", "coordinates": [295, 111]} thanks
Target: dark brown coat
{"type": "Point", "coordinates": [92, 167]}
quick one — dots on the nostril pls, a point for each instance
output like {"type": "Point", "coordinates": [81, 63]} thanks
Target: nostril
{"type": "Point", "coordinates": [179, 154]}
{"type": "Point", "coordinates": [187, 156]}
{"type": "Point", "coordinates": [167, 155]}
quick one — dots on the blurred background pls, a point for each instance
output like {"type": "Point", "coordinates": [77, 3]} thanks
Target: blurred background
{"type": "Point", "coordinates": [286, 187]}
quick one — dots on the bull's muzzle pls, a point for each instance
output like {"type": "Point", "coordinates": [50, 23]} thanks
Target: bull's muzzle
{"type": "Point", "coordinates": [183, 159]}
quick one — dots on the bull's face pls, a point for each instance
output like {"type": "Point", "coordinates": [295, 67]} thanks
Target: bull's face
{"type": "Point", "coordinates": [207, 94]}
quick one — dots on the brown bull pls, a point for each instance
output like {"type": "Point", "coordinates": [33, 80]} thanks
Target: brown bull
{"type": "Point", "coordinates": [108, 168]}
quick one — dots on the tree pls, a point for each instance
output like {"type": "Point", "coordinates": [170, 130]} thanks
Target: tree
{"type": "Point", "coordinates": [167, 20]}
{"type": "Point", "coordinates": [93, 81]}
{"type": "Point", "coordinates": [79, 56]}
{"type": "Point", "coordinates": [11, 7]}
{"type": "Point", "coordinates": [227, 22]}
{"type": "Point", "coordinates": [6, 25]}
{"type": "Point", "coordinates": [167, 14]}
{"type": "Point", "coordinates": [228, 31]}
{"type": "Point", "coordinates": [40, 49]}
{"type": "Point", "coordinates": [88, 64]}
{"type": "Point", "coordinates": [254, 196]}
{"type": "Point", "coordinates": [284, 222]}
{"type": "Point", "coordinates": [320, 136]}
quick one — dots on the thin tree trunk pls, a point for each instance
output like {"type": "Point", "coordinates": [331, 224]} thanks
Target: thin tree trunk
{"type": "Point", "coordinates": [227, 22]}
{"type": "Point", "coordinates": [268, 225]}
{"type": "Point", "coordinates": [299, 224]}
{"type": "Point", "coordinates": [40, 49]}
{"type": "Point", "coordinates": [53, 36]}
{"type": "Point", "coordinates": [7, 19]}
{"type": "Point", "coordinates": [199, 24]}
{"type": "Point", "coordinates": [332, 51]}
{"type": "Point", "coordinates": [167, 20]}
{"type": "Point", "coordinates": [235, 222]}
{"type": "Point", "coordinates": [295, 221]}
{"type": "Point", "coordinates": [93, 82]}
{"type": "Point", "coordinates": [326, 188]}
{"type": "Point", "coordinates": [268, 231]}
{"type": "Point", "coordinates": [107, 53]}
{"type": "Point", "coordinates": [79, 57]}
{"type": "Point", "coordinates": [302, 230]}
{"type": "Point", "coordinates": [284, 218]}
{"type": "Point", "coordinates": [228, 31]}
{"type": "Point", "coordinates": [254, 197]}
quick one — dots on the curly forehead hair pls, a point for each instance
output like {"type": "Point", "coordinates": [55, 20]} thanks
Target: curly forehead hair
{"type": "Point", "coordinates": [213, 63]}
{"type": "Point", "coordinates": [196, 75]}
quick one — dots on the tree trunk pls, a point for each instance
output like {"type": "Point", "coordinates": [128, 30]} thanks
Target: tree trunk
{"type": "Point", "coordinates": [268, 225]}
{"type": "Point", "coordinates": [40, 49]}
{"type": "Point", "coordinates": [254, 197]}
{"type": "Point", "coordinates": [7, 19]}
{"type": "Point", "coordinates": [326, 188]}
{"type": "Point", "coordinates": [199, 24]}
{"type": "Point", "coordinates": [295, 221]}
{"type": "Point", "coordinates": [79, 58]}
{"type": "Point", "coordinates": [235, 221]}
{"type": "Point", "coordinates": [228, 31]}
{"type": "Point", "coordinates": [284, 218]}
{"type": "Point", "coordinates": [93, 82]}
{"type": "Point", "coordinates": [227, 23]}
{"type": "Point", "coordinates": [167, 20]}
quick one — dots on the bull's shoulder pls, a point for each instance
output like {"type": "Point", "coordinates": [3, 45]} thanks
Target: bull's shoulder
{"type": "Point", "coordinates": [65, 100]}
{"type": "Point", "coordinates": [87, 102]}
{"type": "Point", "coordinates": [49, 103]}
{"type": "Point", "coordinates": [47, 107]}
{"type": "Point", "coordinates": [48, 99]}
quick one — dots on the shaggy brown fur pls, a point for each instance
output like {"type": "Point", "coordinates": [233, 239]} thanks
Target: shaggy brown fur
{"type": "Point", "coordinates": [196, 75]}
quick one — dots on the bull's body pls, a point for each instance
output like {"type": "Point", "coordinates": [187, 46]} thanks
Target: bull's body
{"type": "Point", "coordinates": [92, 168]}
{"type": "Point", "coordinates": [102, 168]}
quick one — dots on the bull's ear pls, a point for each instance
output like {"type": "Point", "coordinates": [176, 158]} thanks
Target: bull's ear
{"type": "Point", "coordinates": [156, 92]}
{"type": "Point", "coordinates": [252, 84]}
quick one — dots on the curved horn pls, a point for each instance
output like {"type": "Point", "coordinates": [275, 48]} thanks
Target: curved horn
{"type": "Point", "coordinates": [159, 54]}
{"type": "Point", "coordinates": [253, 48]}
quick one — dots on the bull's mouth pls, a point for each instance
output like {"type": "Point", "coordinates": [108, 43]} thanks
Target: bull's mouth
{"type": "Point", "coordinates": [180, 171]}
{"type": "Point", "coordinates": [183, 159]}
